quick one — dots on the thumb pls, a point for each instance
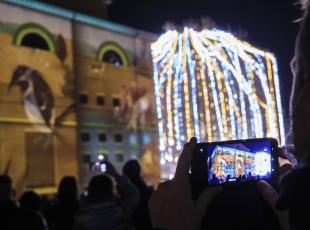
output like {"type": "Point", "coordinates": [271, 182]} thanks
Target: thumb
{"type": "Point", "coordinates": [205, 199]}
{"type": "Point", "coordinates": [271, 196]}
{"type": "Point", "coordinates": [268, 192]}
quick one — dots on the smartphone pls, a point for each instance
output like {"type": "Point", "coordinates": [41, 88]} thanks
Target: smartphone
{"type": "Point", "coordinates": [103, 167]}
{"type": "Point", "coordinates": [234, 162]}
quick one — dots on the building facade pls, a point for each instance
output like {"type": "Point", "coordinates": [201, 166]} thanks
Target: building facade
{"type": "Point", "coordinates": [74, 90]}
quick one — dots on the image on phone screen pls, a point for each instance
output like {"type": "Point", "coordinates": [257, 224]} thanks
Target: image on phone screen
{"type": "Point", "coordinates": [238, 162]}
{"type": "Point", "coordinates": [103, 167]}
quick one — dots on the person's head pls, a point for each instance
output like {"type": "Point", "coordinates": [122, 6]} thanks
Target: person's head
{"type": "Point", "coordinates": [6, 189]}
{"type": "Point", "coordinates": [67, 190]}
{"type": "Point", "coordinates": [101, 188]}
{"type": "Point", "coordinates": [30, 200]}
{"type": "Point", "coordinates": [299, 100]}
{"type": "Point", "coordinates": [132, 169]}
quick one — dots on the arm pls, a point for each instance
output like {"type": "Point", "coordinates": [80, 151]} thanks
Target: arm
{"type": "Point", "coordinates": [129, 195]}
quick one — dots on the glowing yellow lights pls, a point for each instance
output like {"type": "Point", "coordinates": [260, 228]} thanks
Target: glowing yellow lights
{"type": "Point", "coordinates": [214, 86]}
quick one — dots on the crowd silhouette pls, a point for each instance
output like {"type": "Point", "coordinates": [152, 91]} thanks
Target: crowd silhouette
{"type": "Point", "coordinates": [113, 201]}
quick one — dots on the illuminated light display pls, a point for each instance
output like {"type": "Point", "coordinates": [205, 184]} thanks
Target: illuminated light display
{"type": "Point", "coordinates": [211, 85]}
{"type": "Point", "coordinates": [261, 167]}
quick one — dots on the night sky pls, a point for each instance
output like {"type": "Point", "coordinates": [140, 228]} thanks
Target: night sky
{"type": "Point", "coordinates": [268, 24]}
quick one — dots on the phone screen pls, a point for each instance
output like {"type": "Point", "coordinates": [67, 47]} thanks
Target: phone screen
{"type": "Point", "coordinates": [238, 162]}
{"type": "Point", "coordinates": [103, 167]}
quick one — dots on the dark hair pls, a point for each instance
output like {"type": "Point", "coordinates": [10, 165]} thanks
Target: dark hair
{"type": "Point", "coordinates": [5, 187]}
{"type": "Point", "coordinates": [132, 169]}
{"type": "Point", "coordinates": [100, 188]}
{"type": "Point", "coordinates": [67, 190]}
{"type": "Point", "coordinates": [30, 200]}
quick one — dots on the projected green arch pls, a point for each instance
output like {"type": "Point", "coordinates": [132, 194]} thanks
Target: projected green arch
{"type": "Point", "coordinates": [112, 46]}
{"type": "Point", "coordinates": [32, 28]}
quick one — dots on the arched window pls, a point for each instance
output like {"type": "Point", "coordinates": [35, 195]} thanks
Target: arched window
{"type": "Point", "coordinates": [35, 36]}
{"type": "Point", "coordinates": [112, 57]}
{"type": "Point", "coordinates": [35, 41]}
{"type": "Point", "coordinates": [112, 53]}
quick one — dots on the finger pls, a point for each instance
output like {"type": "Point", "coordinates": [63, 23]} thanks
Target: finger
{"type": "Point", "coordinates": [284, 153]}
{"type": "Point", "coordinates": [285, 168]}
{"type": "Point", "coordinates": [158, 205]}
{"type": "Point", "coordinates": [281, 152]}
{"type": "Point", "coordinates": [268, 192]}
{"type": "Point", "coordinates": [283, 161]}
{"type": "Point", "coordinates": [162, 192]}
{"type": "Point", "coordinates": [205, 199]}
{"type": "Point", "coordinates": [185, 159]}
{"type": "Point", "coordinates": [271, 196]}
{"type": "Point", "coordinates": [291, 157]}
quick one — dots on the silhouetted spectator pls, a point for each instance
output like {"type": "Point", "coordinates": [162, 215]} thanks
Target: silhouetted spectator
{"type": "Point", "coordinates": [214, 179]}
{"type": "Point", "coordinates": [141, 215]}
{"type": "Point", "coordinates": [295, 186]}
{"type": "Point", "coordinates": [250, 176]}
{"type": "Point", "coordinates": [30, 200]}
{"type": "Point", "coordinates": [227, 178]}
{"type": "Point", "coordinates": [104, 208]}
{"type": "Point", "coordinates": [13, 217]}
{"type": "Point", "coordinates": [61, 214]}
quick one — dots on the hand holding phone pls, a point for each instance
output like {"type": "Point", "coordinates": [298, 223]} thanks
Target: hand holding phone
{"type": "Point", "coordinates": [234, 162]}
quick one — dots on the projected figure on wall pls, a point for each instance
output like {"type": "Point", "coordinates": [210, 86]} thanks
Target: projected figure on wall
{"type": "Point", "coordinates": [134, 106]}
{"type": "Point", "coordinates": [37, 95]}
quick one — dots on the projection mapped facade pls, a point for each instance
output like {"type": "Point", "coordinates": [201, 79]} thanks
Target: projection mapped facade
{"type": "Point", "coordinates": [211, 85]}
{"type": "Point", "coordinates": [74, 90]}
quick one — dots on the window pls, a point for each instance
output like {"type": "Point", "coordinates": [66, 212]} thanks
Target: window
{"type": "Point", "coordinates": [112, 57]}
{"type": "Point", "coordinates": [116, 102]}
{"type": "Point", "coordinates": [119, 157]}
{"type": "Point", "coordinates": [35, 41]}
{"type": "Point", "coordinates": [100, 100]}
{"type": "Point", "coordinates": [85, 137]}
{"type": "Point", "coordinates": [102, 137]}
{"type": "Point", "coordinates": [35, 36]}
{"type": "Point", "coordinates": [111, 52]}
{"type": "Point", "coordinates": [118, 138]}
{"type": "Point", "coordinates": [83, 98]}
{"type": "Point", "coordinates": [86, 158]}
